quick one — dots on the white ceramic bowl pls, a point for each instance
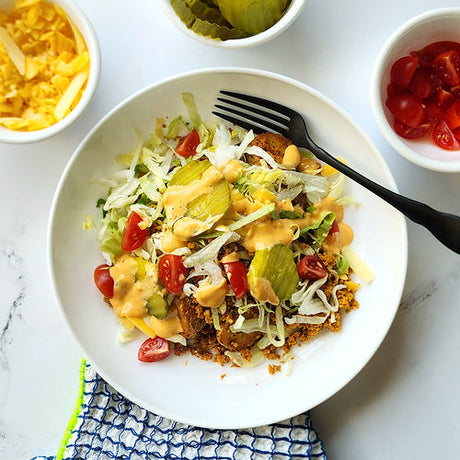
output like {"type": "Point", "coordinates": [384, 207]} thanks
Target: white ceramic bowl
{"type": "Point", "coordinates": [83, 24]}
{"type": "Point", "coordinates": [185, 388]}
{"type": "Point", "coordinates": [436, 25]}
{"type": "Point", "coordinates": [291, 13]}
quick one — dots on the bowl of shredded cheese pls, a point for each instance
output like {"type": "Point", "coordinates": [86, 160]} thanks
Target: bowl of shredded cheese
{"type": "Point", "coordinates": [49, 68]}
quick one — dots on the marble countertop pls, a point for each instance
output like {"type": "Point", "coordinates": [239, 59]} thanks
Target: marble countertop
{"type": "Point", "coordinates": [403, 404]}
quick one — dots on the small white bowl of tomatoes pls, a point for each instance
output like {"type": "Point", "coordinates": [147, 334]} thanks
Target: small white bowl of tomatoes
{"type": "Point", "coordinates": [415, 90]}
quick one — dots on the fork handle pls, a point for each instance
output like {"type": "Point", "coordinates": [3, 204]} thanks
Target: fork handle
{"type": "Point", "coordinates": [444, 226]}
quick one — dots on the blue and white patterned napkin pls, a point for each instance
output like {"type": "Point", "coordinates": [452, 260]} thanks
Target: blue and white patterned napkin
{"type": "Point", "coordinates": [106, 425]}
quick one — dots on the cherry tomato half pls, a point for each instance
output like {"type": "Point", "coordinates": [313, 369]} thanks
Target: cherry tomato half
{"type": "Point", "coordinates": [188, 144]}
{"type": "Point", "coordinates": [421, 84]}
{"type": "Point", "coordinates": [444, 137]}
{"type": "Point", "coordinates": [434, 110]}
{"type": "Point", "coordinates": [445, 98]}
{"type": "Point", "coordinates": [407, 107]}
{"type": "Point", "coordinates": [311, 267]}
{"type": "Point", "coordinates": [447, 66]}
{"type": "Point", "coordinates": [104, 280]}
{"type": "Point", "coordinates": [154, 350]}
{"type": "Point", "coordinates": [172, 272]}
{"type": "Point", "coordinates": [334, 227]}
{"type": "Point", "coordinates": [133, 236]}
{"type": "Point", "coordinates": [453, 115]}
{"type": "Point", "coordinates": [408, 132]}
{"type": "Point", "coordinates": [238, 277]}
{"type": "Point", "coordinates": [402, 70]}
{"type": "Point", "coordinates": [434, 49]}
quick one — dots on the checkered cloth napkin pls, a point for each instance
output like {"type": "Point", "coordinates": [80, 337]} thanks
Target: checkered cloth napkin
{"type": "Point", "coordinates": [105, 425]}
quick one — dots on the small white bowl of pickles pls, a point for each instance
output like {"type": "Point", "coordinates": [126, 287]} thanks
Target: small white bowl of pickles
{"type": "Point", "coordinates": [232, 23]}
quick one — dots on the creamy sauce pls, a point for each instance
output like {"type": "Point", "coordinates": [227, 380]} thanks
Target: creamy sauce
{"type": "Point", "coordinates": [168, 326]}
{"type": "Point", "coordinates": [261, 289]}
{"type": "Point", "coordinates": [210, 295]}
{"type": "Point", "coordinates": [170, 242]}
{"type": "Point", "coordinates": [231, 169]}
{"type": "Point", "coordinates": [242, 205]}
{"type": "Point", "coordinates": [336, 241]}
{"type": "Point", "coordinates": [177, 197]}
{"type": "Point", "coordinates": [187, 227]}
{"type": "Point", "coordinates": [129, 294]}
{"type": "Point", "coordinates": [267, 233]}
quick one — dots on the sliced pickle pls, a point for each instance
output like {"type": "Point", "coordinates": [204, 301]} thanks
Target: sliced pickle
{"type": "Point", "coordinates": [207, 10]}
{"type": "Point", "coordinates": [190, 172]}
{"type": "Point", "coordinates": [157, 306]}
{"type": "Point", "coordinates": [209, 206]}
{"type": "Point", "coordinates": [205, 18]}
{"type": "Point", "coordinates": [215, 203]}
{"type": "Point", "coordinates": [141, 268]}
{"type": "Point", "coordinates": [252, 16]}
{"type": "Point", "coordinates": [276, 265]}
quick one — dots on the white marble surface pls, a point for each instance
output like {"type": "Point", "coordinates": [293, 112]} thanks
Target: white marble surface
{"type": "Point", "coordinates": [404, 404]}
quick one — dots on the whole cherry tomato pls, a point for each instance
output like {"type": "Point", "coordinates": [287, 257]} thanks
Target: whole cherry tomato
{"type": "Point", "coordinates": [311, 267]}
{"type": "Point", "coordinates": [238, 277]}
{"type": "Point", "coordinates": [133, 236]}
{"type": "Point", "coordinates": [172, 272]}
{"type": "Point", "coordinates": [154, 350]}
{"type": "Point", "coordinates": [104, 280]}
{"type": "Point", "coordinates": [188, 144]}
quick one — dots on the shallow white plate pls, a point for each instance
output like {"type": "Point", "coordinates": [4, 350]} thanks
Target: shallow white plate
{"type": "Point", "coordinates": [184, 388]}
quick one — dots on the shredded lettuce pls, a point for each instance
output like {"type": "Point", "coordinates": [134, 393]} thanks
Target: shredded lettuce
{"type": "Point", "coordinates": [319, 230]}
{"type": "Point", "coordinates": [256, 358]}
{"type": "Point", "coordinates": [194, 116]}
{"type": "Point", "coordinates": [210, 251]}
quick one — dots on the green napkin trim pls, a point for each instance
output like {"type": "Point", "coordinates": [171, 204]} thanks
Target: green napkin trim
{"type": "Point", "coordinates": [76, 412]}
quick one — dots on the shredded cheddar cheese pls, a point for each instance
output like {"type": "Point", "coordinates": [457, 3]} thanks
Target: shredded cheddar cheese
{"type": "Point", "coordinates": [44, 65]}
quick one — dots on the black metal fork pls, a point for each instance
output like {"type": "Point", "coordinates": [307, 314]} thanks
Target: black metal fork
{"type": "Point", "coordinates": [262, 115]}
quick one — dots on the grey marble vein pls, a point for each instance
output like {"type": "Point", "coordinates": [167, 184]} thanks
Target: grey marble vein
{"type": "Point", "coordinates": [12, 264]}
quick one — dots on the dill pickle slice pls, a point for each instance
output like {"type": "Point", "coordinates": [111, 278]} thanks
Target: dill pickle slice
{"type": "Point", "coordinates": [207, 206]}
{"type": "Point", "coordinates": [207, 10]}
{"type": "Point", "coordinates": [276, 265]}
{"type": "Point", "coordinates": [183, 11]}
{"type": "Point", "coordinates": [208, 29]}
{"type": "Point", "coordinates": [190, 172]}
{"type": "Point", "coordinates": [157, 306]}
{"type": "Point", "coordinates": [252, 16]}
{"type": "Point", "coordinates": [204, 18]}
{"type": "Point", "coordinates": [213, 204]}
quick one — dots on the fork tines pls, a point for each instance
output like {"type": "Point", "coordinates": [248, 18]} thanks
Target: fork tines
{"type": "Point", "coordinates": [256, 113]}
